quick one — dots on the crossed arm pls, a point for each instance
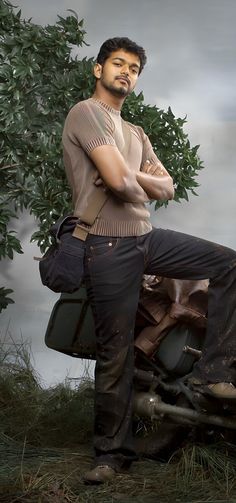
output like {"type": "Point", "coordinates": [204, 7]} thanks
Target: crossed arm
{"type": "Point", "coordinates": [153, 182]}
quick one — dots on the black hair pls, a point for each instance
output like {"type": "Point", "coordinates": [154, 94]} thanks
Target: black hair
{"type": "Point", "coordinates": [113, 44]}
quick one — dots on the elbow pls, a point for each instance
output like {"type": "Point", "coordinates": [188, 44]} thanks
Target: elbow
{"type": "Point", "coordinates": [169, 192]}
{"type": "Point", "coordinates": [118, 187]}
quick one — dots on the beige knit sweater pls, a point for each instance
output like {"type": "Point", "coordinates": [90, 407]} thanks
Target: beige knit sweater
{"type": "Point", "coordinates": [89, 124]}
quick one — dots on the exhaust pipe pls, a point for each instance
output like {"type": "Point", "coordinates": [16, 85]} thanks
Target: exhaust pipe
{"type": "Point", "coordinates": [151, 405]}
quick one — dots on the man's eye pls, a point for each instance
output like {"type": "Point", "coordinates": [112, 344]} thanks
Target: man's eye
{"type": "Point", "coordinates": [117, 64]}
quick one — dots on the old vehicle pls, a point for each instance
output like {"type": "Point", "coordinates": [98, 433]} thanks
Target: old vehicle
{"type": "Point", "coordinates": [169, 335]}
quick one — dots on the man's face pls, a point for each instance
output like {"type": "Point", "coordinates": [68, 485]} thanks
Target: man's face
{"type": "Point", "coordinates": [119, 73]}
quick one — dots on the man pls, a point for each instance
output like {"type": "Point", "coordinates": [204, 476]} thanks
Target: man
{"type": "Point", "coordinates": [101, 148]}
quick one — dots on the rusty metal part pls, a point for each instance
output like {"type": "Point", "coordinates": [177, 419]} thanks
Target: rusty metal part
{"type": "Point", "coordinates": [151, 405]}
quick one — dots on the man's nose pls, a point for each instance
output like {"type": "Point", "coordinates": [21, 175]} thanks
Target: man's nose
{"type": "Point", "coordinates": [125, 70]}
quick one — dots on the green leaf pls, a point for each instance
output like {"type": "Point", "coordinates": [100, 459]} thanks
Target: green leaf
{"type": "Point", "coordinates": [4, 300]}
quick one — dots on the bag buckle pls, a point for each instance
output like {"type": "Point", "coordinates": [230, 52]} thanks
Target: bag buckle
{"type": "Point", "coordinates": [81, 230]}
{"type": "Point", "coordinates": [82, 225]}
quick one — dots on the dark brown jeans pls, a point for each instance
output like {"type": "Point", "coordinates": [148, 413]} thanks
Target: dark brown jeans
{"type": "Point", "coordinates": [113, 272]}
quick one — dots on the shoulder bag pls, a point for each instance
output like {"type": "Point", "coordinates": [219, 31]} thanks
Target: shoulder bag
{"type": "Point", "coordinates": [62, 266]}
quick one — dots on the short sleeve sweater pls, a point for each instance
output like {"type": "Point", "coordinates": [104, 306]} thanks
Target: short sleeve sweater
{"type": "Point", "coordinates": [89, 124]}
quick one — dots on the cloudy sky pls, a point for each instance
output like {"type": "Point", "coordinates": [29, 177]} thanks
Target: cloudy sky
{"type": "Point", "coordinates": [191, 49]}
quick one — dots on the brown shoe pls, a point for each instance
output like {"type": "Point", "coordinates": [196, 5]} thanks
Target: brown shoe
{"type": "Point", "coordinates": [99, 475]}
{"type": "Point", "coordinates": [222, 390]}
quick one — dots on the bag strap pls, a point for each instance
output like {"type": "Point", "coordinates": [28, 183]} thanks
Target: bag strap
{"type": "Point", "coordinates": [84, 223]}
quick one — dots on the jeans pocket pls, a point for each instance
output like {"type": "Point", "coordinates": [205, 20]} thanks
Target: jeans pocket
{"type": "Point", "coordinates": [102, 246]}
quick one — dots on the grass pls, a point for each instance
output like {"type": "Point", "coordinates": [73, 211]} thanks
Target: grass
{"type": "Point", "coordinates": [45, 447]}
{"type": "Point", "coordinates": [54, 417]}
{"type": "Point", "coordinates": [46, 476]}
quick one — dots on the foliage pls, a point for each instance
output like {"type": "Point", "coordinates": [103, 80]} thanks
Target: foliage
{"type": "Point", "coordinates": [4, 299]}
{"type": "Point", "coordinates": [40, 80]}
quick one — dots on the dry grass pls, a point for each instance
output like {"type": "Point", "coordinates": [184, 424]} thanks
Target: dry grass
{"type": "Point", "coordinates": [54, 417]}
{"type": "Point", "coordinates": [45, 447]}
{"type": "Point", "coordinates": [195, 475]}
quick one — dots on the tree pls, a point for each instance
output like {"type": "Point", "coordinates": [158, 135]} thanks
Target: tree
{"type": "Point", "coordinates": [40, 80]}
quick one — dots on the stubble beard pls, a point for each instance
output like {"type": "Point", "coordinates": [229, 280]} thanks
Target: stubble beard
{"type": "Point", "coordinates": [119, 92]}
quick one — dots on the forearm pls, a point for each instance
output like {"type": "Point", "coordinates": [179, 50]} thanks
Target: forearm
{"type": "Point", "coordinates": [157, 187]}
{"type": "Point", "coordinates": [116, 175]}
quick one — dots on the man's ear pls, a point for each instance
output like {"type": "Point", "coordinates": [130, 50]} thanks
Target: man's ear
{"type": "Point", "coordinates": [97, 71]}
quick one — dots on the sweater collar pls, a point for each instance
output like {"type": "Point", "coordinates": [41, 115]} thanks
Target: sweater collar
{"type": "Point", "coordinates": [107, 107]}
